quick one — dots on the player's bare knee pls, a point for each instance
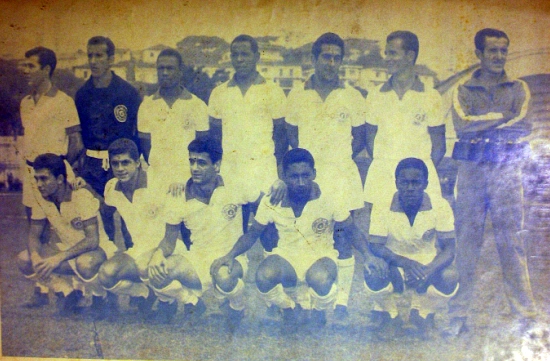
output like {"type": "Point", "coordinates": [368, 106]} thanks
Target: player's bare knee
{"type": "Point", "coordinates": [227, 281]}
{"type": "Point", "coordinates": [266, 277]}
{"type": "Point", "coordinates": [108, 273]}
{"type": "Point", "coordinates": [447, 281]}
{"type": "Point", "coordinates": [24, 263]}
{"type": "Point", "coordinates": [321, 276]}
{"type": "Point", "coordinates": [88, 264]}
{"type": "Point", "coordinates": [375, 283]}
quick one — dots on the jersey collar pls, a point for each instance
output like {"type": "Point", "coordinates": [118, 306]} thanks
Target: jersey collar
{"type": "Point", "coordinates": [191, 190]}
{"type": "Point", "coordinates": [259, 79]}
{"type": "Point", "coordinates": [314, 194]}
{"type": "Point", "coordinates": [184, 95]}
{"type": "Point", "coordinates": [310, 83]}
{"type": "Point", "coordinates": [476, 82]}
{"type": "Point", "coordinates": [396, 205]}
{"type": "Point", "coordinates": [417, 86]}
{"type": "Point", "coordinates": [141, 181]}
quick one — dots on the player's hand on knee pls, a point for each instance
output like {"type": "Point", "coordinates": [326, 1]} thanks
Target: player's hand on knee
{"type": "Point", "coordinates": [277, 192]}
{"type": "Point", "coordinates": [176, 189]}
{"type": "Point", "coordinates": [227, 261]}
{"type": "Point", "coordinates": [78, 183]}
{"type": "Point", "coordinates": [415, 274]}
{"type": "Point", "coordinates": [45, 267]}
{"type": "Point", "coordinates": [376, 266]}
{"type": "Point", "coordinates": [157, 267]}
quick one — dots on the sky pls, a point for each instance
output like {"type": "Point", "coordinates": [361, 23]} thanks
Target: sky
{"type": "Point", "coordinates": [445, 28]}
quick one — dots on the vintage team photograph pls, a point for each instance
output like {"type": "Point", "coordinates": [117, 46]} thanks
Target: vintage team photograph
{"type": "Point", "coordinates": [275, 180]}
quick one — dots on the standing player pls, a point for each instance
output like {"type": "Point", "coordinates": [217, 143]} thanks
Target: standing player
{"type": "Point", "coordinates": [51, 125]}
{"type": "Point", "coordinates": [325, 116]}
{"type": "Point", "coordinates": [305, 219]}
{"type": "Point", "coordinates": [168, 121]}
{"type": "Point", "coordinates": [415, 236]}
{"type": "Point", "coordinates": [489, 117]}
{"type": "Point", "coordinates": [212, 212]}
{"type": "Point", "coordinates": [247, 116]}
{"type": "Point", "coordinates": [107, 106]}
{"type": "Point", "coordinates": [404, 119]}
{"type": "Point", "coordinates": [141, 207]}
{"type": "Point", "coordinates": [74, 216]}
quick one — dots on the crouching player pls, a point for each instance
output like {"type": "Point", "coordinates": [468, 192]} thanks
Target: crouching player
{"type": "Point", "coordinates": [306, 220]}
{"type": "Point", "coordinates": [416, 237]}
{"type": "Point", "coordinates": [212, 211]}
{"type": "Point", "coordinates": [141, 207]}
{"type": "Point", "coordinates": [71, 266]}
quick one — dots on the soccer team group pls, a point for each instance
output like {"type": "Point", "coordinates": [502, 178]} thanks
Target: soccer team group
{"type": "Point", "coordinates": [197, 185]}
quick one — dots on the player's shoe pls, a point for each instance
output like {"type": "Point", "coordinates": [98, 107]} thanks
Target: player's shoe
{"type": "Point", "coordinates": [38, 299]}
{"type": "Point", "coordinates": [340, 313]}
{"type": "Point", "coordinates": [166, 312]}
{"type": "Point", "coordinates": [233, 319]}
{"type": "Point", "coordinates": [273, 311]}
{"type": "Point", "coordinates": [104, 307]}
{"type": "Point", "coordinates": [144, 305]}
{"type": "Point", "coordinates": [455, 327]}
{"type": "Point", "coordinates": [67, 305]}
{"type": "Point", "coordinates": [317, 319]}
{"type": "Point", "coordinates": [193, 312]}
{"type": "Point", "coordinates": [290, 320]}
{"type": "Point", "coordinates": [421, 326]}
{"type": "Point", "coordinates": [384, 327]}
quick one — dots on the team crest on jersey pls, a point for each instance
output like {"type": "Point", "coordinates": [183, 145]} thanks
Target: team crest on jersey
{"type": "Point", "coordinates": [320, 225]}
{"type": "Point", "coordinates": [230, 211]}
{"type": "Point", "coordinates": [151, 211]}
{"type": "Point", "coordinates": [419, 117]}
{"type": "Point", "coordinates": [343, 115]}
{"type": "Point", "coordinates": [121, 113]}
{"type": "Point", "coordinates": [76, 223]}
{"type": "Point", "coordinates": [428, 235]}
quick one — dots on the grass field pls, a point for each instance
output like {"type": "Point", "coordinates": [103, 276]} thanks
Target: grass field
{"type": "Point", "coordinates": [41, 333]}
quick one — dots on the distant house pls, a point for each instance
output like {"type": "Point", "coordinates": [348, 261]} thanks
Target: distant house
{"type": "Point", "coordinates": [146, 73]}
{"type": "Point", "coordinates": [70, 60]}
{"type": "Point", "coordinates": [150, 55]}
{"type": "Point", "coordinates": [371, 77]}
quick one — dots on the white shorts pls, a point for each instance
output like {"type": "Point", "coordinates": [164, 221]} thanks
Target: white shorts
{"type": "Point", "coordinates": [302, 260]}
{"type": "Point", "coordinates": [380, 183]}
{"type": "Point", "coordinates": [202, 260]}
{"type": "Point", "coordinates": [344, 180]}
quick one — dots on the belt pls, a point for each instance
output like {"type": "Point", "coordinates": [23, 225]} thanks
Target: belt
{"type": "Point", "coordinates": [100, 154]}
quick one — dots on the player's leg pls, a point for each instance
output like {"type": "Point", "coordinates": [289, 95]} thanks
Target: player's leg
{"type": "Point", "coordinates": [275, 274]}
{"type": "Point", "coordinates": [506, 194]}
{"type": "Point", "coordinates": [470, 212]}
{"type": "Point", "coordinates": [433, 299]}
{"type": "Point", "coordinates": [39, 297]}
{"type": "Point", "coordinates": [321, 279]}
{"type": "Point", "coordinates": [231, 286]}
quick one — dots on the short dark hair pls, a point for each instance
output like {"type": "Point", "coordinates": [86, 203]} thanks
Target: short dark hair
{"type": "Point", "coordinates": [207, 145]}
{"type": "Point", "coordinates": [297, 155]}
{"type": "Point", "coordinates": [479, 39]}
{"type": "Point", "coordinates": [45, 57]}
{"type": "Point", "coordinates": [98, 40]}
{"type": "Point", "coordinates": [52, 162]}
{"type": "Point", "coordinates": [172, 53]}
{"type": "Point", "coordinates": [124, 146]}
{"type": "Point", "coordinates": [412, 163]}
{"type": "Point", "coordinates": [409, 41]}
{"type": "Point", "coordinates": [327, 39]}
{"type": "Point", "coordinates": [248, 39]}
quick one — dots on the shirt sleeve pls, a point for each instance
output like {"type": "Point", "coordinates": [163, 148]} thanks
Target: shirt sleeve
{"type": "Point", "coordinates": [371, 116]}
{"type": "Point", "coordinates": [200, 116]}
{"type": "Point", "coordinates": [173, 210]}
{"type": "Point", "coordinates": [38, 213]}
{"type": "Point", "coordinates": [358, 109]}
{"type": "Point", "coordinates": [444, 223]}
{"type": "Point", "coordinates": [70, 114]}
{"type": "Point", "coordinates": [264, 215]}
{"type": "Point", "coordinates": [378, 224]}
{"type": "Point", "coordinates": [108, 193]}
{"type": "Point", "coordinates": [435, 110]}
{"type": "Point", "coordinates": [143, 120]}
{"type": "Point", "coordinates": [87, 204]}
{"type": "Point", "coordinates": [277, 102]}
{"type": "Point", "coordinates": [292, 110]}
{"type": "Point", "coordinates": [214, 103]}
{"type": "Point", "coordinates": [341, 213]}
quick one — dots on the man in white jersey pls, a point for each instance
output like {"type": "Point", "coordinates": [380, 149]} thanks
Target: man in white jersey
{"type": "Point", "coordinates": [212, 211]}
{"type": "Point", "coordinates": [306, 220]}
{"type": "Point", "coordinates": [415, 236]}
{"type": "Point", "coordinates": [83, 245]}
{"type": "Point", "coordinates": [404, 119]}
{"type": "Point", "coordinates": [141, 207]}
{"type": "Point", "coordinates": [51, 125]}
{"type": "Point", "coordinates": [168, 121]}
{"type": "Point", "coordinates": [326, 116]}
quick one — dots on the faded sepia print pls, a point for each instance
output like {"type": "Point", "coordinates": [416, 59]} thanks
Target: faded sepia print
{"type": "Point", "coordinates": [257, 180]}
